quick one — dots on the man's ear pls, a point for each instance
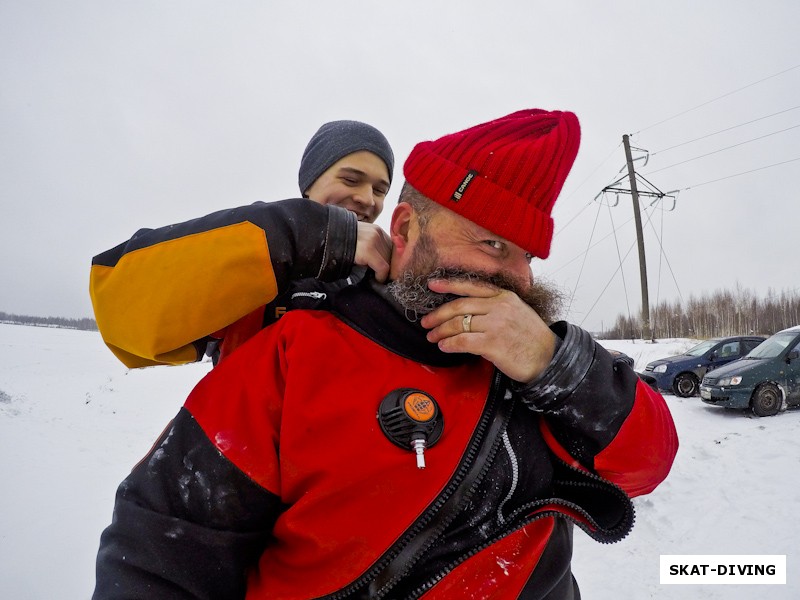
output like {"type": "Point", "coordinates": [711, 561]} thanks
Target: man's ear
{"type": "Point", "coordinates": [401, 227]}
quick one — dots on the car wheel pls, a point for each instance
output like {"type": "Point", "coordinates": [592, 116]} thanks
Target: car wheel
{"type": "Point", "coordinates": [766, 400]}
{"type": "Point", "coordinates": [685, 385]}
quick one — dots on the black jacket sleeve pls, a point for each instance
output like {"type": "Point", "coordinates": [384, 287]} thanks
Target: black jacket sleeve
{"type": "Point", "coordinates": [187, 523]}
{"type": "Point", "coordinates": [584, 395]}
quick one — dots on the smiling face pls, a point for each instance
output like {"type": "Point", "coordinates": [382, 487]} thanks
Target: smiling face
{"type": "Point", "coordinates": [449, 240]}
{"type": "Point", "coordinates": [358, 182]}
{"type": "Point", "coordinates": [439, 244]}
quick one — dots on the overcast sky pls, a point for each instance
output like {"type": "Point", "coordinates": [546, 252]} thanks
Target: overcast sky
{"type": "Point", "coordinates": [116, 115]}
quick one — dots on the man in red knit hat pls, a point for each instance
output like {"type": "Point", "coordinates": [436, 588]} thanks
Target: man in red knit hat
{"type": "Point", "coordinates": [456, 466]}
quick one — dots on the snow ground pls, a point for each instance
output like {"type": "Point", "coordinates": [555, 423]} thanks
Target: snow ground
{"type": "Point", "coordinates": [73, 421]}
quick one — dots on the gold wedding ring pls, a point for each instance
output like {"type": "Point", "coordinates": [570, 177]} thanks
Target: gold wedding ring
{"type": "Point", "coordinates": [466, 323]}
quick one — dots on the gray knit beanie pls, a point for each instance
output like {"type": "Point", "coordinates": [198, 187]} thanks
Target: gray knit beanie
{"type": "Point", "coordinates": [335, 140]}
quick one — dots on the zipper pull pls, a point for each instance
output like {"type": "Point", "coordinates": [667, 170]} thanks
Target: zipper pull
{"type": "Point", "coordinates": [315, 295]}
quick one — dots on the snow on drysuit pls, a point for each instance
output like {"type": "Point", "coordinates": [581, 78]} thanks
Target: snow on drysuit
{"type": "Point", "coordinates": [276, 480]}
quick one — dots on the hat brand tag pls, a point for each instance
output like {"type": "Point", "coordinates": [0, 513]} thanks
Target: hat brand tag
{"type": "Point", "coordinates": [463, 186]}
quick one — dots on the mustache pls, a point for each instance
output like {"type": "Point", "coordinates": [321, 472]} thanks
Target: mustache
{"type": "Point", "coordinates": [412, 292]}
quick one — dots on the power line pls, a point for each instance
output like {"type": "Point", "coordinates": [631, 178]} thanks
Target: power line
{"type": "Point", "coordinates": [610, 281]}
{"type": "Point", "coordinates": [568, 223]}
{"type": "Point", "coordinates": [761, 137]}
{"type": "Point", "coordinates": [724, 130]}
{"type": "Point", "coordinates": [619, 258]}
{"type": "Point", "coordinates": [597, 168]}
{"type": "Point", "coordinates": [585, 256]}
{"type": "Point", "coordinates": [617, 270]}
{"type": "Point", "coordinates": [598, 242]}
{"type": "Point", "coordinates": [572, 193]}
{"type": "Point", "coordinates": [717, 98]}
{"type": "Point", "coordinates": [742, 173]}
{"type": "Point", "coordinates": [663, 255]}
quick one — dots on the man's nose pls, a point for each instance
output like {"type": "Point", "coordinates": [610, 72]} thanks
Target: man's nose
{"type": "Point", "coordinates": [364, 195]}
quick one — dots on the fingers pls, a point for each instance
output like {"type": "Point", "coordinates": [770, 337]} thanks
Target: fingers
{"type": "Point", "coordinates": [463, 287]}
{"type": "Point", "coordinates": [380, 266]}
{"type": "Point", "coordinates": [460, 324]}
{"type": "Point", "coordinates": [373, 249]}
{"type": "Point", "coordinates": [479, 298]}
{"type": "Point", "coordinates": [502, 329]}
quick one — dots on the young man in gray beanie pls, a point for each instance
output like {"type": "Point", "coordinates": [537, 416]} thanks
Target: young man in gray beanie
{"type": "Point", "coordinates": [342, 165]}
{"type": "Point", "coordinates": [172, 294]}
{"type": "Point", "coordinates": [348, 164]}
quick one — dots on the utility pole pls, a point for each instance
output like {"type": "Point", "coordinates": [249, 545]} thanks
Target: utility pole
{"type": "Point", "coordinates": [650, 191]}
{"type": "Point", "coordinates": [637, 216]}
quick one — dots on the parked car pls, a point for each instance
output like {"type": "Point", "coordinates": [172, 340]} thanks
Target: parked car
{"type": "Point", "coordinates": [648, 379]}
{"type": "Point", "coordinates": [682, 374]}
{"type": "Point", "coordinates": [766, 380]}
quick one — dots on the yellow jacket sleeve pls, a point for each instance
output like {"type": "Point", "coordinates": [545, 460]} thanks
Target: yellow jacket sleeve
{"type": "Point", "coordinates": [158, 295]}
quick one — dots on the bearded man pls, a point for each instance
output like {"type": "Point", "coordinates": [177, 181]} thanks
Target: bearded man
{"type": "Point", "coordinates": [430, 438]}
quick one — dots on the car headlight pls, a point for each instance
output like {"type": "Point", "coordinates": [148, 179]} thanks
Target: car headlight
{"type": "Point", "coordinates": [660, 369]}
{"type": "Point", "coordinates": [735, 380]}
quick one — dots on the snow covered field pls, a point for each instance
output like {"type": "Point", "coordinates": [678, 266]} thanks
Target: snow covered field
{"type": "Point", "coordinates": [73, 421]}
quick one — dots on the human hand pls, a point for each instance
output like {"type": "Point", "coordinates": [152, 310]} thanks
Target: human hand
{"type": "Point", "coordinates": [373, 249]}
{"type": "Point", "coordinates": [503, 329]}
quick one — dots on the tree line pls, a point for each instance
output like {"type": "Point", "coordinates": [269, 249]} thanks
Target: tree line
{"type": "Point", "coordinates": [725, 312]}
{"type": "Point", "coordinates": [84, 324]}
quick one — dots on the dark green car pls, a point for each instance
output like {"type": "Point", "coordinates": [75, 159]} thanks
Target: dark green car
{"type": "Point", "coordinates": [767, 380]}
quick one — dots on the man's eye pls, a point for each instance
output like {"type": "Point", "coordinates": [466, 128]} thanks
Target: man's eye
{"type": "Point", "coordinates": [379, 191]}
{"type": "Point", "coordinates": [350, 180]}
{"type": "Point", "coordinates": [494, 244]}
{"type": "Point", "coordinates": [529, 257]}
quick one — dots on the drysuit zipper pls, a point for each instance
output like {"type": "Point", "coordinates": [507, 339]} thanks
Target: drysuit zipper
{"type": "Point", "coordinates": [393, 566]}
{"type": "Point", "coordinates": [605, 536]}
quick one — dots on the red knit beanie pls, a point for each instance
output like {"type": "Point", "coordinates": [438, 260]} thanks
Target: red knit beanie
{"type": "Point", "coordinates": [504, 175]}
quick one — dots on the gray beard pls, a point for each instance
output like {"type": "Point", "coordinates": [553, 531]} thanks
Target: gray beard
{"type": "Point", "coordinates": [412, 293]}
